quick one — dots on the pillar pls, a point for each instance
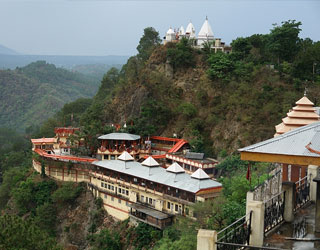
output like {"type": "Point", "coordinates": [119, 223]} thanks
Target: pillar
{"type": "Point", "coordinates": [249, 198]}
{"type": "Point", "coordinates": [206, 239]}
{"type": "Point", "coordinates": [317, 217]}
{"type": "Point", "coordinates": [284, 172]}
{"type": "Point", "coordinates": [295, 173]}
{"type": "Point", "coordinates": [257, 223]}
{"type": "Point", "coordinates": [289, 189]}
{"type": "Point", "coordinates": [312, 173]}
{"type": "Point", "coordinates": [303, 171]}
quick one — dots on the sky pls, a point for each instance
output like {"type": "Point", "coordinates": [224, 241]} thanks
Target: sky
{"type": "Point", "coordinates": [104, 27]}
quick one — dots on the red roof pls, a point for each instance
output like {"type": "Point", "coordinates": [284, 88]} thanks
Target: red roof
{"type": "Point", "coordinates": [64, 157]}
{"type": "Point", "coordinates": [160, 138]}
{"type": "Point", "coordinates": [65, 130]}
{"type": "Point", "coordinates": [155, 156]}
{"type": "Point", "coordinates": [43, 140]}
{"type": "Point", "coordinates": [177, 146]}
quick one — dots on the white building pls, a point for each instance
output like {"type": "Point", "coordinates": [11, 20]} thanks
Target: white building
{"type": "Point", "coordinates": [205, 36]}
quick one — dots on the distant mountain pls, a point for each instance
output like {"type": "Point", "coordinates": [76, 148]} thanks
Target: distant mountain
{"type": "Point", "coordinates": [11, 61]}
{"type": "Point", "coordinates": [32, 94]}
{"type": "Point", "coordinates": [6, 51]}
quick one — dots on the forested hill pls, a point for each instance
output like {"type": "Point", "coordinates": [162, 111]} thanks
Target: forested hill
{"type": "Point", "coordinates": [32, 94]}
{"type": "Point", "coordinates": [219, 102]}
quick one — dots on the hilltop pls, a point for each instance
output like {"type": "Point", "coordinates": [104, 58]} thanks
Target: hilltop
{"type": "Point", "coordinates": [32, 94]}
{"type": "Point", "coordinates": [219, 102]}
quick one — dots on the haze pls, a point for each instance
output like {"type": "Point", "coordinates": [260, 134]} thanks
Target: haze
{"type": "Point", "coordinates": [114, 27]}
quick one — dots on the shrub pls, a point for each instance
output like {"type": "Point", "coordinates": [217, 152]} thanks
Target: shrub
{"type": "Point", "coordinates": [67, 193]}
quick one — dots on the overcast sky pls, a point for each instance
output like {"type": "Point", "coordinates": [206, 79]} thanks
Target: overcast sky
{"type": "Point", "coordinates": [87, 27]}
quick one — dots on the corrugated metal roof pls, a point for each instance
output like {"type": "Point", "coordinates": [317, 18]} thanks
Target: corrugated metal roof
{"type": "Point", "coordinates": [291, 143]}
{"type": "Point", "coordinates": [158, 175]}
{"type": "Point", "coordinates": [120, 137]}
{"type": "Point", "coordinates": [194, 155]}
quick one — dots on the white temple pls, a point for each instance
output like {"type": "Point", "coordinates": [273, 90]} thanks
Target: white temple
{"type": "Point", "coordinates": [205, 36]}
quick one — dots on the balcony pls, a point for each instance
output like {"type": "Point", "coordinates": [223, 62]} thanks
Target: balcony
{"type": "Point", "coordinates": [150, 216]}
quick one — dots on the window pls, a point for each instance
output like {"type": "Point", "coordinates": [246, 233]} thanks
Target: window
{"type": "Point", "coordinates": [127, 204]}
{"type": "Point", "coordinates": [142, 198]}
{"type": "Point", "coordinates": [187, 211]}
{"type": "Point", "coordinates": [120, 190]}
{"type": "Point", "coordinates": [123, 191]}
{"type": "Point", "coordinates": [102, 184]}
{"type": "Point", "coordinates": [150, 201]}
{"type": "Point", "coordinates": [135, 179]}
{"type": "Point", "coordinates": [112, 198]}
{"type": "Point", "coordinates": [177, 191]}
{"type": "Point", "coordinates": [105, 196]}
{"type": "Point", "coordinates": [127, 192]}
{"type": "Point", "coordinates": [176, 208]}
{"type": "Point", "coordinates": [109, 187]}
{"type": "Point", "coordinates": [168, 205]}
{"type": "Point", "coordinates": [112, 188]}
{"type": "Point", "coordinates": [119, 201]}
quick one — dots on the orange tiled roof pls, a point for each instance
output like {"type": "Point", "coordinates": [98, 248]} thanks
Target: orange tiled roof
{"type": "Point", "coordinates": [301, 115]}
{"type": "Point", "coordinates": [43, 140]}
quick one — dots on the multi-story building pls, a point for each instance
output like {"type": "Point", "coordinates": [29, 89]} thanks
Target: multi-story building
{"type": "Point", "coordinates": [142, 191]}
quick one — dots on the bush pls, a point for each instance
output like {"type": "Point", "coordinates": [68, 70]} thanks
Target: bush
{"type": "Point", "coordinates": [182, 55]}
{"type": "Point", "coordinates": [67, 193]}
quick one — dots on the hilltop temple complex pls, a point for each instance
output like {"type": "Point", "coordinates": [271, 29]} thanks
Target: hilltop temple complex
{"type": "Point", "coordinates": [136, 177]}
{"type": "Point", "coordinates": [205, 36]}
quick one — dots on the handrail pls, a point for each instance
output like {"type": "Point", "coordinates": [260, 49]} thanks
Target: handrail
{"type": "Point", "coordinates": [274, 196]}
{"type": "Point", "coordinates": [248, 214]}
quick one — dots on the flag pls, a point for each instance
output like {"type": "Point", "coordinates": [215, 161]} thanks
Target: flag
{"type": "Point", "coordinates": [248, 173]}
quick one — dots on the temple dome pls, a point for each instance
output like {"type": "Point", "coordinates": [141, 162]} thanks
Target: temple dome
{"type": "Point", "coordinates": [175, 168]}
{"type": "Point", "coordinates": [302, 114]}
{"type": "Point", "coordinates": [170, 31]}
{"type": "Point", "coordinates": [125, 156]}
{"type": "Point", "coordinates": [200, 175]}
{"type": "Point", "coordinates": [150, 162]}
{"type": "Point", "coordinates": [181, 31]}
{"type": "Point", "coordinates": [205, 31]}
{"type": "Point", "coordinates": [191, 31]}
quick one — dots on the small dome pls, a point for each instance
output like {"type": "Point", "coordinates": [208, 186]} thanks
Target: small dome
{"type": "Point", "coordinates": [170, 31]}
{"type": "Point", "coordinates": [191, 30]}
{"type": "Point", "coordinates": [150, 162]}
{"type": "Point", "coordinates": [181, 31]}
{"type": "Point", "coordinates": [200, 174]}
{"type": "Point", "coordinates": [125, 156]}
{"type": "Point", "coordinates": [175, 168]}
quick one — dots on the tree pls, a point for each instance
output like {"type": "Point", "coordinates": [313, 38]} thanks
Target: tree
{"type": "Point", "coordinates": [181, 56]}
{"type": "Point", "coordinates": [220, 66]}
{"type": "Point", "coordinates": [241, 45]}
{"type": "Point", "coordinates": [17, 233]}
{"type": "Point", "coordinates": [147, 43]}
{"type": "Point", "coordinates": [284, 40]}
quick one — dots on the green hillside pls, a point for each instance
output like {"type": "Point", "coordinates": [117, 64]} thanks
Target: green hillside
{"type": "Point", "coordinates": [219, 102]}
{"type": "Point", "coordinates": [32, 94]}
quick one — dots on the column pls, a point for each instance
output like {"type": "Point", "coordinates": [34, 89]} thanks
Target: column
{"type": "Point", "coordinates": [284, 172]}
{"type": "Point", "coordinates": [206, 239]}
{"type": "Point", "coordinates": [295, 173]}
{"type": "Point", "coordinates": [312, 173]}
{"type": "Point", "coordinates": [317, 217]}
{"type": "Point", "coordinates": [257, 223]}
{"type": "Point", "coordinates": [289, 189]}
